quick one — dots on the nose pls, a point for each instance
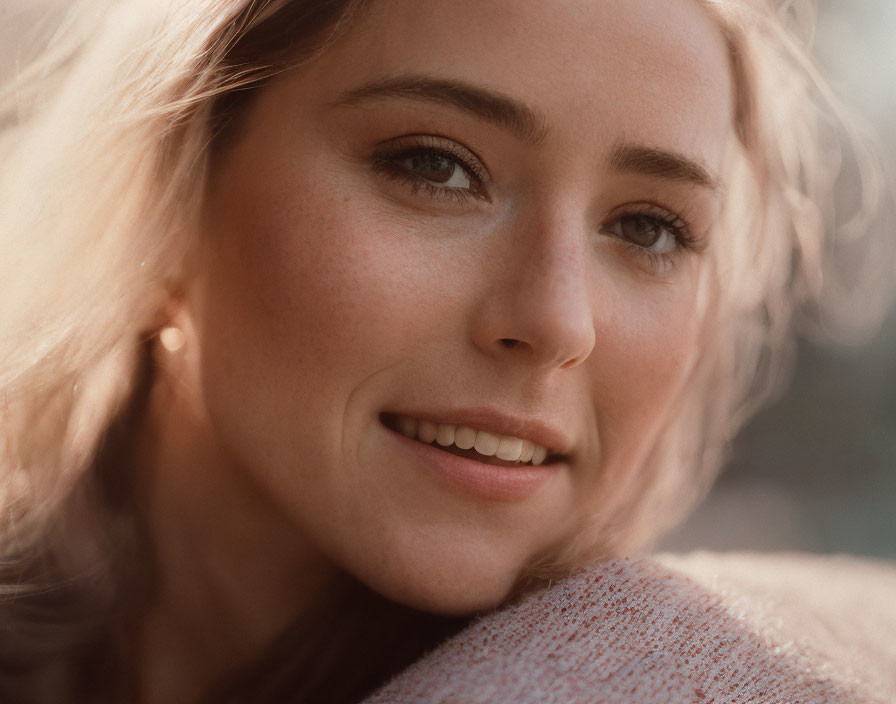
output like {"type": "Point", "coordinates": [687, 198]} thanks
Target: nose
{"type": "Point", "coordinates": [539, 307]}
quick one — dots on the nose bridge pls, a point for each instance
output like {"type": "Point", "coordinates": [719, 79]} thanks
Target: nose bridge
{"type": "Point", "coordinates": [542, 307]}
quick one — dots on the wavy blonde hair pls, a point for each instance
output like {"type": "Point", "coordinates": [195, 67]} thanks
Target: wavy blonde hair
{"type": "Point", "coordinates": [106, 143]}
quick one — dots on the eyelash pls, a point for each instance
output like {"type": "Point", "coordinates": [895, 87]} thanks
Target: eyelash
{"type": "Point", "coordinates": [387, 161]}
{"type": "Point", "coordinates": [676, 225]}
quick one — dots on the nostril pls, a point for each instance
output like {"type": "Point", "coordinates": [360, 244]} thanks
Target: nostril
{"type": "Point", "coordinates": [509, 343]}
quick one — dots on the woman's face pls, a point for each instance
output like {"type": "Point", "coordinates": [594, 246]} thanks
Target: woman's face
{"type": "Point", "coordinates": [490, 215]}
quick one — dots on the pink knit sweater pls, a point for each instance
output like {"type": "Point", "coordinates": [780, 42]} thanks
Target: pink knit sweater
{"type": "Point", "coordinates": [701, 628]}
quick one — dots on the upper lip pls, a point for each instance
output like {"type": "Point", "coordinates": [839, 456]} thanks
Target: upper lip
{"type": "Point", "coordinates": [493, 420]}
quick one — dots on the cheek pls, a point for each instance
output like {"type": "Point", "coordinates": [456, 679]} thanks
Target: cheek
{"type": "Point", "coordinates": [647, 343]}
{"type": "Point", "coordinates": [313, 285]}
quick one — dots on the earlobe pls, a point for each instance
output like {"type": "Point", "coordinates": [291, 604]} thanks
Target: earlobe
{"type": "Point", "coordinates": [175, 353]}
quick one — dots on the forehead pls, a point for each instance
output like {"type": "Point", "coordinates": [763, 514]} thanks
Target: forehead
{"type": "Point", "coordinates": [655, 72]}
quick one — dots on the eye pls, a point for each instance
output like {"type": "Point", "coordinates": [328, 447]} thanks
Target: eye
{"type": "Point", "coordinates": [432, 166]}
{"type": "Point", "coordinates": [437, 168]}
{"type": "Point", "coordinates": [661, 233]}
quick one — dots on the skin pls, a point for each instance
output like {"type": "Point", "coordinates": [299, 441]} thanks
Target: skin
{"type": "Point", "coordinates": [331, 291]}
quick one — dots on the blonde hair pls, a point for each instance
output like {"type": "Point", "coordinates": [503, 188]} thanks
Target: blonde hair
{"type": "Point", "coordinates": [106, 144]}
{"type": "Point", "coordinates": [105, 152]}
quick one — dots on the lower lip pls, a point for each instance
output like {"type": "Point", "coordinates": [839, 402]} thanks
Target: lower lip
{"type": "Point", "coordinates": [486, 481]}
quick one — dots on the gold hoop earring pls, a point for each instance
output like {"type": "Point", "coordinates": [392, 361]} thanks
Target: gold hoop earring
{"type": "Point", "coordinates": [172, 338]}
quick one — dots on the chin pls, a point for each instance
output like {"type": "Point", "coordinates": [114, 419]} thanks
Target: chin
{"type": "Point", "coordinates": [445, 587]}
{"type": "Point", "coordinates": [457, 599]}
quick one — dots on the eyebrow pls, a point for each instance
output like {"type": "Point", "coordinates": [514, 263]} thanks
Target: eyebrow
{"type": "Point", "coordinates": [523, 121]}
{"type": "Point", "coordinates": [662, 164]}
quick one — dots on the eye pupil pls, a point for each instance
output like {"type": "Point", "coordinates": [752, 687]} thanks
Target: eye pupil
{"type": "Point", "coordinates": [433, 167]}
{"type": "Point", "coordinates": [642, 230]}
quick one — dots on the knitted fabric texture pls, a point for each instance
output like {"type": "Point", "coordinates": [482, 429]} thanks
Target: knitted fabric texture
{"type": "Point", "coordinates": [700, 628]}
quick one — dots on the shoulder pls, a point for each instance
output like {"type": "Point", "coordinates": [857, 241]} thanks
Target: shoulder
{"type": "Point", "coordinates": [667, 629]}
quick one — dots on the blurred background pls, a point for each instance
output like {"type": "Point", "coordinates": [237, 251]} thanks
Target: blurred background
{"type": "Point", "coordinates": [816, 470]}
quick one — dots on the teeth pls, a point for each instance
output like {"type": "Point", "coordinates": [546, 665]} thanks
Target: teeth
{"type": "Point", "coordinates": [488, 444]}
{"type": "Point", "coordinates": [426, 431]}
{"type": "Point", "coordinates": [408, 426]}
{"type": "Point", "coordinates": [464, 437]}
{"type": "Point", "coordinates": [509, 449]}
{"type": "Point", "coordinates": [445, 434]}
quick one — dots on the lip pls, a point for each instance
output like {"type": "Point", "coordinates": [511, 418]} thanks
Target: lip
{"type": "Point", "coordinates": [473, 478]}
{"type": "Point", "coordinates": [491, 420]}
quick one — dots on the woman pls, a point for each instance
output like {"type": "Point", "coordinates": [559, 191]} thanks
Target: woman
{"type": "Point", "coordinates": [447, 297]}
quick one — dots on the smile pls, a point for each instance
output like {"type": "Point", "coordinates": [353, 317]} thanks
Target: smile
{"type": "Point", "coordinates": [471, 443]}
